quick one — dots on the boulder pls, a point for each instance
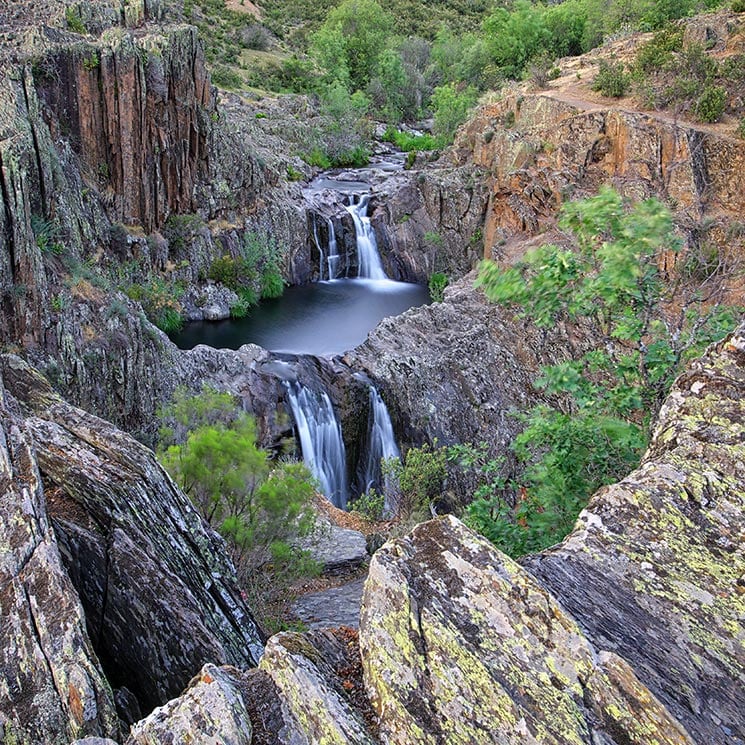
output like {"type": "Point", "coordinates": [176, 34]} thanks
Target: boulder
{"type": "Point", "coordinates": [160, 595]}
{"type": "Point", "coordinates": [52, 688]}
{"type": "Point", "coordinates": [460, 644]}
{"type": "Point", "coordinates": [213, 709]}
{"type": "Point", "coordinates": [337, 606]}
{"type": "Point", "coordinates": [312, 675]}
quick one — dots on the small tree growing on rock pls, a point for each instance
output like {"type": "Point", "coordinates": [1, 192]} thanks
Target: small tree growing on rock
{"type": "Point", "coordinates": [260, 506]}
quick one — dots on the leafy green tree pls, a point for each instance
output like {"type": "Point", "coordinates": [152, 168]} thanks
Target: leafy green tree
{"type": "Point", "coordinates": [261, 507]}
{"type": "Point", "coordinates": [512, 37]}
{"type": "Point", "coordinates": [351, 40]}
{"type": "Point", "coordinates": [638, 326]}
{"type": "Point", "coordinates": [451, 105]}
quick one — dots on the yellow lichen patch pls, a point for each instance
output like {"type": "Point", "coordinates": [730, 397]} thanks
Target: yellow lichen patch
{"type": "Point", "coordinates": [623, 703]}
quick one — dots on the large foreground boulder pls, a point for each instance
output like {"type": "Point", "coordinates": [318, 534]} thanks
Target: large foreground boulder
{"type": "Point", "coordinates": [461, 645]}
{"type": "Point", "coordinates": [160, 596]}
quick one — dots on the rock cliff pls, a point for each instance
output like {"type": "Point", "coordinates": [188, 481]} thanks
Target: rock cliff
{"type": "Point", "coordinates": [159, 594]}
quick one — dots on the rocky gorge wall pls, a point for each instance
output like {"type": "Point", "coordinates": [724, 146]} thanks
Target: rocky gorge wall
{"type": "Point", "coordinates": [630, 631]}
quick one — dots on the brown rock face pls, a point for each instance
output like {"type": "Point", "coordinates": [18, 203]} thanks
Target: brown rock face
{"type": "Point", "coordinates": [136, 110]}
{"type": "Point", "coordinates": [543, 149]}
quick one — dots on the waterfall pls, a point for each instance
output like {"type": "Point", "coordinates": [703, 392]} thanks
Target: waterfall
{"type": "Point", "coordinates": [321, 441]}
{"type": "Point", "coordinates": [334, 259]}
{"type": "Point", "coordinates": [321, 257]}
{"type": "Point", "coordinates": [381, 443]}
{"type": "Point", "coordinates": [370, 266]}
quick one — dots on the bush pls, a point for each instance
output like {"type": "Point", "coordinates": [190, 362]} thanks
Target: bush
{"type": "Point", "coordinates": [711, 104]}
{"type": "Point", "coordinates": [225, 77]}
{"type": "Point", "coordinates": [272, 284]}
{"type": "Point", "coordinates": [209, 447]}
{"type": "Point", "coordinates": [612, 80]}
{"type": "Point", "coordinates": [740, 131]}
{"type": "Point", "coordinates": [738, 6]}
{"type": "Point", "coordinates": [369, 505]}
{"type": "Point", "coordinates": [438, 281]}
{"type": "Point", "coordinates": [609, 281]}
{"type": "Point", "coordinates": [417, 479]}
{"type": "Point", "coordinates": [451, 104]}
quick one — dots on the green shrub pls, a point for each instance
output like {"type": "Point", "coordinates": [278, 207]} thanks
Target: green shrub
{"type": "Point", "coordinates": [738, 6]}
{"type": "Point", "coordinates": [451, 104]}
{"type": "Point", "coordinates": [711, 104]}
{"type": "Point", "coordinates": [612, 80]}
{"type": "Point", "coordinates": [417, 479]}
{"type": "Point", "coordinates": [609, 281]}
{"type": "Point", "coordinates": [225, 77]}
{"type": "Point", "coordinates": [316, 158]}
{"type": "Point", "coordinates": [438, 281]}
{"type": "Point", "coordinates": [74, 21]}
{"type": "Point", "coordinates": [740, 131]}
{"type": "Point", "coordinates": [261, 507]}
{"type": "Point", "coordinates": [410, 143]}
{"type": "Point", "coordinates": [226, 270]}
{"type": "Point", "coordinates": [369, 505]}
{"type": "Point", "coordinates": [272, 284]}
{"type": "Point", "coordinates": [658, 51]}
{"type": "Point", "coordinates": [168, 320]}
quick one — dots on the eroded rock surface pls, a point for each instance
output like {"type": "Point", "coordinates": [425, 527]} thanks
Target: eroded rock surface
{"type": "Point", "coordinates": [160, 596]}
{"type": "Point", "coordinates": [214, 708]}
{"type": "Point", "coordinates": [52, 688]}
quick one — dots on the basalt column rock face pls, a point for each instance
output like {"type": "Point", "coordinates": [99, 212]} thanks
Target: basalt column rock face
{"type": "Point", "coordinates": [136, 111]}
{"type": "Point", "coordinates": [52, 688]}
{"type": "Point", "coordinates": [160, 596]}
{"type": "Point", "coordinates": [655, 569]}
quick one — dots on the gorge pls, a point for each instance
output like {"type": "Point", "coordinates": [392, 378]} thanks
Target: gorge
{"type": "Point", "coordinates": [125, 176]}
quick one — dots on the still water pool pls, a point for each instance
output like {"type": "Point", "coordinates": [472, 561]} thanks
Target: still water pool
{"type": "Point", "coordinates": [323, 319]}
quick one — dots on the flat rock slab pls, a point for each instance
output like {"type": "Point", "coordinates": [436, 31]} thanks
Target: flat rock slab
{"type": "Point", "coordinates": [337, 606]}
{"type": "Point", "coordinates": [336, 549]}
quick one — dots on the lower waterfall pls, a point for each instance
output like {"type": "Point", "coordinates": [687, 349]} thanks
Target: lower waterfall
{"type": "Point", "coordinates": [321, 441]}
{"type": "Point", "coordinates": [381, 445]}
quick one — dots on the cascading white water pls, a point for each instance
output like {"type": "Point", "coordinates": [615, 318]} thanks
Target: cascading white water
{"type": "Point", "coordinates": [321, 255]}
{"type": "Point", "coordinates": [334, 259]}
{"type": "Point", "coordinates": [368, 258]}
{"type": "Point", "coordinates": [381, 442]}
{"type": "Point", "coordinates": [321, 441]}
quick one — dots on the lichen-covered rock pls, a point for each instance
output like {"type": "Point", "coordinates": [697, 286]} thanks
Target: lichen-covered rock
{"type": "Point", "coordinates": [52, 688]}
{"type": "Point", "coordinates": [213, 709]}
{"type": "Point", "coordinates": [654, 570]}
{"type": "Point", "coordinates": [160, 595]}
{"type": "Point", "coordinates": [304, 668]}
{"type": "Point", "coordinates": [461, 645]}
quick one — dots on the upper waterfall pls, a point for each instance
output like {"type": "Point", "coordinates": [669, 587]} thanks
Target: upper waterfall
{"type": "Point", "coordinates": [368, 258]}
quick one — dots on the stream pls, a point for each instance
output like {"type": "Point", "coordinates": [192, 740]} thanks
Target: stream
{"type": "Point", "coordinates": [325, 319]}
